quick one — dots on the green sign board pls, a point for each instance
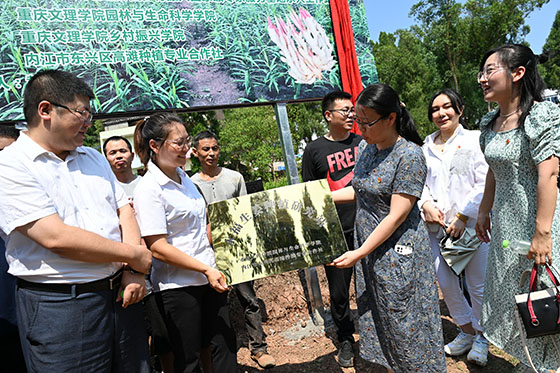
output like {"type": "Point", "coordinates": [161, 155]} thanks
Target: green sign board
{"type": "Point", "coordinates": [144, 55]}
{"type": "Point", "coordinates": [276, 231]}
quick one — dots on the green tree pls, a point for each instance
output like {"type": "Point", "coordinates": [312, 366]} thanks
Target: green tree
{"type": "Point", "coordinates": [92, 135]}
{"type": "Point", "coordinates": [459, 35]}
{"type": "Point", "coordinates": [551, 69]}
{"type": "Point", "coordinates": [306, 120]}
{"type": "Point", "coordinates": [200, 121]}
{"type": "Point", "coordinates": [249, 137]}
{"type": "Point", "coordinates": [444, 50]}
{"type": "Point", "coordinates": [409, 67]}
{"type": "Point", "coordinates": [249, 141]}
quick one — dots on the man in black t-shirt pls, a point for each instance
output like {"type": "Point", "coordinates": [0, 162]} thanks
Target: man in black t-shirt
{"type": "Point", "coordinates": [333, 157]}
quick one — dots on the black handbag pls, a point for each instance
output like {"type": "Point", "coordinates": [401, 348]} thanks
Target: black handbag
{"type": "Point", "coordinates": [540, 309]}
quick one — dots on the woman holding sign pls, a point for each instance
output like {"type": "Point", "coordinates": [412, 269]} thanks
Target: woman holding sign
{"type": "Point", "coordinates": [171, 214]}
{"type": "Point", "coordinates": [399, 325]}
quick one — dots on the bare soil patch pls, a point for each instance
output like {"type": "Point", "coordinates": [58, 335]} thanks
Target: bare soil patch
{"type": "Point", "coordinates": [211, 86]}
{"type": "Point", "coordinates": [298, 345]}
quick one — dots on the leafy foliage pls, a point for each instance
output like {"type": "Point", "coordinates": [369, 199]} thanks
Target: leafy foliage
{"type": "Point", "coordinates": [444, 50]}
{"type": "Point", "coordinates": [249, 139]}
{"type": "Point", "coordinates": [92, 135]}
{"type": "Point", "coordinates": [410, 69]}
{"type": "Point", "coordinates": [551, 69]}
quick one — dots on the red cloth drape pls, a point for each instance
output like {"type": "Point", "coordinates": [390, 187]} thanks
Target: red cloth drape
{"type": "Point", "coordinates": [346, 50]}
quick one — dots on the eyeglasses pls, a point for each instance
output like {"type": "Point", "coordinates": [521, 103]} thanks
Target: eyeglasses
{"type": "Point", "coordinates": [85, 115]}
{"type": "Point", "coordinates": [370, 123]}
{"type": "Point", "coordinates": [488, 71]}
{"type": "Point", "coordinates": [345, 112]}
{"type": "Point", "coordinates": [181, 143]}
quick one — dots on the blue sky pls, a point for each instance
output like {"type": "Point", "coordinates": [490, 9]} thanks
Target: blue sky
{"type": "Point", "coordinates": [388, 16]}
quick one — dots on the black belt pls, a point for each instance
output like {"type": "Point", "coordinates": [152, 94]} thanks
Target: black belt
{"type": "Point", "coordinates": [108, 283]}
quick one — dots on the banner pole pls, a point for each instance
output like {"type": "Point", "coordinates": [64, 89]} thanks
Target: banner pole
{"type": "Point", "coordinates": [312, 280]}
{"type": "Point", "coordinates": [286, 141]}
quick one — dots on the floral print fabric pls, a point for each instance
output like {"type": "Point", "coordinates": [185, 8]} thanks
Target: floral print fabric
{"type": "Point", "coordinates": [513, 157]}
{"type": "Point", "coordinates": [399, 318]}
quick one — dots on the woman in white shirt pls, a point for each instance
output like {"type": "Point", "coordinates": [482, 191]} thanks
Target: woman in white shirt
{"type": "Point", "coordinates": [171, 214]}
{"type": "Point", "coordinates": [450, 201]}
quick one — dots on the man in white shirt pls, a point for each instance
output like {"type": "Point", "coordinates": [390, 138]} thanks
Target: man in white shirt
{"type": "Point", "coordinates": [9, 336]}
{"type": "Point", "coordinates": [69, 229]}
{"type": "Point", "coordinates": [118, 151]}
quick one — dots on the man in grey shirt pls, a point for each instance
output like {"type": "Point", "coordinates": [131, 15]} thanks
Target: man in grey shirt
{"type": "Point", "coordinates": [218, 184]}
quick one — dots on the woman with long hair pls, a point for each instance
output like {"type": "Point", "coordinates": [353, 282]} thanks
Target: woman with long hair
{"type": "Point", "coordinates": [521, 143]}
{"type": "Point", "coordinates": [449, 203]}
{"type": "Point", "coordinates": [171, 213]}
{"type": "Point", "coordinates": [399, 322]}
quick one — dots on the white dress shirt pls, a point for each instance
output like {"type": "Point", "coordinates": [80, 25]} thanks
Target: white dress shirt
{"type": "Point", "coordinates": [456, 175]}
{"type": "Point", "coordinates": [179, 212]}
{"type": "Point", "coordinates": [81, 189]}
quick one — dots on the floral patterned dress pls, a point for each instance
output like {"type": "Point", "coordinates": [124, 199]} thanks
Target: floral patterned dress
{"type": "Point", "coordinates": [512, 156]}
{"type": "Point", "coordinates": [399, 318]}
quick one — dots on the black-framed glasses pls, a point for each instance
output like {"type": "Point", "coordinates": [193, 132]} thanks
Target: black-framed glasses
{"type": "Point", "coordinates": [85, 115]}
{"type": "Point", "coordinates": [181, 143]}
{"type": "Point", "coordinates": [345, 112]}
{"type": "Point", "coordinates": [370, 123]}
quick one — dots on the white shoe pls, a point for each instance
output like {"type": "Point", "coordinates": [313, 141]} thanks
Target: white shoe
{"type": "Point", "coordinates": [479, 351]}
{"type": "Point", "coordinates": [461, 344]}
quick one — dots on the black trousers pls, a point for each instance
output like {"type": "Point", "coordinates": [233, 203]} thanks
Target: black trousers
{"type": "Point", "coordinates": [253, 319]}
{"type": "Point", "coordinates": [196, 317]}
{"type": "Point", "coordinates": [339, 290]}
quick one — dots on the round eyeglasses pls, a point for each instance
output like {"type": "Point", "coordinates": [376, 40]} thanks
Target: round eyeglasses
{"type": "Point", "coordinates": [488, 71]}
{"type": "Point", "coordinates": [181, 143]}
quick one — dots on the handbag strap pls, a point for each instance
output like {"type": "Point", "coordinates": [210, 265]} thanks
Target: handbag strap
{"type": "Point", "coordinates": [555, 282]}
{"type": "Point", "coordinates": [551, 274]}
{"type": "Point", "coordinates": [533, 287]}
{"type": "Point", "coordinates": [524, 340]}
{"type": "Point", "coordinates": [550, 269]}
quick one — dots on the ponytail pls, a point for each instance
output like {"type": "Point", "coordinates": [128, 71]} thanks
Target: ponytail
{"type": "Point", "coordinates": [142, 147]}
{"type": "Point", "coordinates": [154, 127]}
{"type": "Point", "coordinates": [407, 129]}
{"type": "Point", "coordinates": [384, 100]}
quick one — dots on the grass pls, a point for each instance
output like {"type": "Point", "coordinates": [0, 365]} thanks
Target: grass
{"type": "Point", "coordinates": [240, 30]}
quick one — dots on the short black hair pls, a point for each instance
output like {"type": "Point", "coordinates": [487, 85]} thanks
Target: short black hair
{"type": "Point", "coordinates": [203, 135]}
{"type": "Point", "coordinates": [331, 97]}
{"type": "Point", "coordinates": [10, 132]}
{"type": "Point", "coordinates": [116, 138]}
{"type": "Point", "coordinates": [54, 86]}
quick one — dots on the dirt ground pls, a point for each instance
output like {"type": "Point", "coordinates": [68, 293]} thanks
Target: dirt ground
{"type": "Point", "coordinates": [298, 345]}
